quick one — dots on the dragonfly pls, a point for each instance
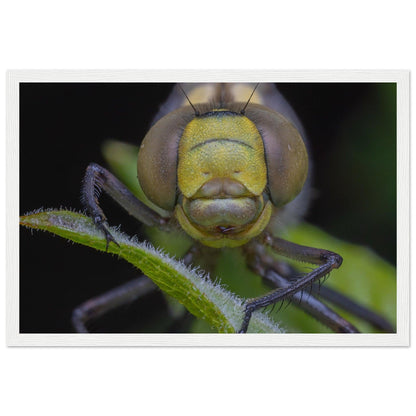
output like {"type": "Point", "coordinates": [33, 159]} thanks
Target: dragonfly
{"type": "Point", "coordinates": [229, 166]}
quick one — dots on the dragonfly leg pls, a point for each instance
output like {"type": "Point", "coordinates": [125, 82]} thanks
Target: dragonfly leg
{"type": "Point", "coordinates": [287, 272]}
{"type": "Point", "coordinates": [280, 275]}
{"type": "Point", "coordinates": [98, 306]}
{"type": "Point", "coordinates": [326, 261]}
{"type": "Point", "coordinates": [122, 295]}
{"type": "Point", "coordinates": [99, 179]}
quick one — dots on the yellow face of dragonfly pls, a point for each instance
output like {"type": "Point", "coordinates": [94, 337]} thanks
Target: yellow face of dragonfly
{"type": "Point", "coordinates": [221, 176]}
{"type": "Point", "coordinates": [222, 172]}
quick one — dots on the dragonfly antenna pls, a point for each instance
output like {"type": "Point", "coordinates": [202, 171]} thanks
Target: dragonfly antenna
{"type": "Point", "coordinates": [189, 101]}
{"type": "Point", "coordinates": [244, 108]}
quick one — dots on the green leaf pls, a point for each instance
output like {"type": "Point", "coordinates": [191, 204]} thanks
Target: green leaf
{"type": "Point", "coordinates": [191, 287]}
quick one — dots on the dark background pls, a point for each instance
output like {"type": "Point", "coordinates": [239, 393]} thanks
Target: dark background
{"type": "Point", "coordinates": [351, 129]}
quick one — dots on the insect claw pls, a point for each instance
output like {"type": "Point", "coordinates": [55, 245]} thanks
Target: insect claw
{"type": "Point", "coordinates": [108, 236]}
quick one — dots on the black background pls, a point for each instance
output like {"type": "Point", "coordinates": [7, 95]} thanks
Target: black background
{"type": "Point", "coordinates": [63, 125]}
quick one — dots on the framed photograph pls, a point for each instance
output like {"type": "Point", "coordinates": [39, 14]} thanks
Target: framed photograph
{"type": "Point", "coordinates": [208, 208]}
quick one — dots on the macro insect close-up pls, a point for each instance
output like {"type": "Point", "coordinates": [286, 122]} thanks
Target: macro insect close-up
{"type": "Point", "coordinates": [227, 177]}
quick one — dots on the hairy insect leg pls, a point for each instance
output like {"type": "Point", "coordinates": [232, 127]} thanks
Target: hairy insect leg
{"type": "Point", "coordinates": [313, 306]}
{"type": "Point", "coordinates": [97, 179]}
{"type": "Point", "coordinates": [117, 297]}
{"type": "Point", "coordinates": [326, 261]}
{"type": "Point", "coordinates": [279, 276]}
{"type": "Point", "coordinates": [122, 295]}
{"type": "Point", "coordinates": [324, 292]}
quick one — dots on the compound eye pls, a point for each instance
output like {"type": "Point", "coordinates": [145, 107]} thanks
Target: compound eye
{"type": "Point", "coordinates": [285, 152]}
{"type": "Point", "coordinates": [158, 158]}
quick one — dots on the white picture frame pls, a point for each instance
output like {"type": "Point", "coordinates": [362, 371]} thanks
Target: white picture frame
{"type": "Point", "coordinates": [400, 338]}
